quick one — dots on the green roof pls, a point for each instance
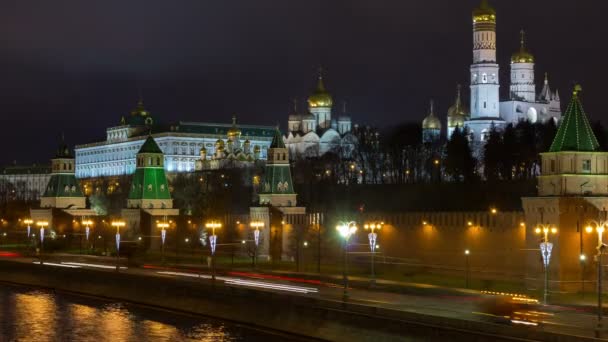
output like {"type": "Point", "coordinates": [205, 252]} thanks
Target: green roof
{"type": "Point", "coordinates": [149, 183]}
{"type": "Point", "coordinates": [26, 170]}
{"type": "Point", "coordinates": [575, 133]}
{"type": "Point", "coordinates": [277, 180]}
{"type": "Point", "coordinates": [63, 185]}
{"type": "Point", "coordinates": [150, 146]}
{"type": "Point", "coordinates": [222, 129]}
{"type": "Point", "coordinates": [277, 140]}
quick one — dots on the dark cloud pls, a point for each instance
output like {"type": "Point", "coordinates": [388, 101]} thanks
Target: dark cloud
{"type": "Point", "coordinates": [76, 66]}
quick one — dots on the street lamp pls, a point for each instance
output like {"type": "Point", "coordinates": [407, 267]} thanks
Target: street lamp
{"type": "Point", "coordinates": [468, 270]}
{"type": "Point", "coordinates": [545, 250]}
{"type": "Point", "coordinates": [87, 231]}
{"type": "Point", "coordinates": [346, 230]}
{"type": "Point", "coordinates": [373, 237]}
{"type": "Point", "coordinates": [28, 222]}
{"type": "Point", "coordinates": [163, 234]}
{"type": "Point", "coordinates": [599, 226]}
{"type": "Point", "coordinates": [213, 225]}
{"type": "Point", "coordinates": [118, 225]}
{"type": "Point", "coordinates": [87, 228]}
{"type": "Point", "coordinates": [42, 225]}
{"type": "Point", "coordinates": [256, 225]}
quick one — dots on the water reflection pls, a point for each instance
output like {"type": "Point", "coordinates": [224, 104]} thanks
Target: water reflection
{"type": "Point", "coordinates": [29, 315]}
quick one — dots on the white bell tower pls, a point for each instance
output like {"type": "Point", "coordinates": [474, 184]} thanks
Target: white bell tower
{"type": "Point", "coordinates": [484, 70]}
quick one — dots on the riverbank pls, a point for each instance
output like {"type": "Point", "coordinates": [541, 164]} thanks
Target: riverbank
{"type": "Point", "coordinates": [303, 315]}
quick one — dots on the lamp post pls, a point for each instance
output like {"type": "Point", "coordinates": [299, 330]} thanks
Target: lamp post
{"type": "Point", "coordinates": [256, 225]}
{"type": "Point", "coordinates": [28, 222]}
{"type": "Point", "coordinates": [163, 234]}
{"type": "Point", "coordinates": [213, 225]}
{"type": "Point", "coordinates": [599, 226]}
{"type": "Point", "coordinates": [468, 270]}
{"type": "Point", "coordinates": [118, 224]}
{"type": "Point", "coordinates": [545, 250]}
{"type": "Point", "coordinates": [42, 225]}
{"type": "Point", "coordinates": [87, 231]}
{"type": "Point", "coordinates": [346, 230]}
{"type": "Point", "coordinates": [373, 237]}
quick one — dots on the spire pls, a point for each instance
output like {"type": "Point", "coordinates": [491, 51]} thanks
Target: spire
{"type": "Point", "coordinates": [234, 120]}
{"type": "Point", "coordinates": [522, 41]}
{"type": "Point", "coordinates": [545, 94]}
{"type": "Point", "coordinates": [277, 140]}
{"type": "Point", "coordinates": [320, 84]}
{"type": "Point", "coordinates": [295, 105]}
{"type": "Point", "coordinates": [432, 111]}
{"type": "Point", "coordinates": [574, 132]}
{"type": "Point", "coordinates": [344, 107]}
{"type": "Point", "coordinates": [150, 146]}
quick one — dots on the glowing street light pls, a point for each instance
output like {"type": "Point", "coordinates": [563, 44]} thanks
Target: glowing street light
{"type": "Point", "coordinates": [545, 250]}
{"type": "Point", "coordinates": [599, 227]}
{"type": "Point", "coordinates": [468, 270]}
{"type": "Point", "coordinates": [373, 237]}
{"type": "Point", "coordinates": [42, 225]}
{"type": "Point", "coordinates": [256, 225]}
{"type": "Point", "coordinates": [28, 222]}
{"type": "Point", "coordinates": [346, 230]}
{"type": "Point", "coordinates": [87, 231]}
{"type": "Point", "coordinates": [163, 234]}
{"type": "Point", "coordinates": [118, 224]}
{"type": "Point", "coordinates": [213, 225]}
{"type": "Point", "coordinates": [87, 228]}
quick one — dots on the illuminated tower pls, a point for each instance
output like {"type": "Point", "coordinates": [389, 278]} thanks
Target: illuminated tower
{"type": "Point", "coordinates": [522, 74]}
{"type": "Point", "coordinates": [484, 70]}
{"type": "Point", "coordinates": [320, 103]}
{"type": "Point", "coordinates": [431, 127]}
{"type": "Point", "coordinates": [63, 190]}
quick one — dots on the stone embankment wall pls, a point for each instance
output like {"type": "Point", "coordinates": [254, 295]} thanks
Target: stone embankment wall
{"type": "Point", "coordinates": [307, 317]}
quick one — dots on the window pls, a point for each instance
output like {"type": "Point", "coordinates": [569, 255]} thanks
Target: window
{"type": "Point", "coordinates": [587, 165]}
{"type": "Point", "coordinates": [484, 104]}
{"type": "Point", "coordinates": [552, 166]}
{"type": "Point", "coordinates": [484, 78]}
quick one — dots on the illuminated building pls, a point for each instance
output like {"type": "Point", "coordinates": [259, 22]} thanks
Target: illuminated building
{"type": "Point", "coordinates": [181, 143]}
{"type": "Point", "coordinates": [315, 132]}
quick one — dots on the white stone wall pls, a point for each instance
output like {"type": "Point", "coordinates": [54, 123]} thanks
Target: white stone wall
{"type": "Point", "coordinates": [181, 153]}
{"type": "Point", "coordinates": [484, 91]}
{"type": "Point", "coordinates": [522, 82]}
{"type": "Point", "coordinates": [573, 173]}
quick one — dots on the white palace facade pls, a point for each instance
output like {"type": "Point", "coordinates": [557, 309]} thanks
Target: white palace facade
{"type": "Point", "coordinates": [181, 143]}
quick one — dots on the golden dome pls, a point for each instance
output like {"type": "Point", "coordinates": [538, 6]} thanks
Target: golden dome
{"type": "Point", "coordinates": [203, 150]}
{"type": "Point", "coordinates": [320, 97]}
{"type": "Point", "coordinates": [234, 131]}
{"type": "Point", "coordinates": [457, 113]}
{"type": "Point", "coordinates": [256, 148]}
{"type": "Point", "coordinates": [431, 121]}
{"type": "Point", "coordinates": [522, 56]}
{"type": "Point", "coordinates": [484, 13]}
{"type": "Point", "coordinates": [219, 144]}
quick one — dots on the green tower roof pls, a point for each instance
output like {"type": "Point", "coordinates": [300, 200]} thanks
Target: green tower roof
{"type": "Point", "coordinates": [575, 133]}
{"type": "Point", "coordinates": [277, 140]}
{"type": "Point", "coordinates": [150, 146]}
{"type": "Point", "coordinates": [63, 185]}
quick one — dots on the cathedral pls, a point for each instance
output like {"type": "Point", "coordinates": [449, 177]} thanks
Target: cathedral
{"type": "Point", "coordinates": [487, 110]}
{"type": "Point", "coordinates": [315, 132]}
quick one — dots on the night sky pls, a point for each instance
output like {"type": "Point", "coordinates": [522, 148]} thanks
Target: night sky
{"type": "Point", "coordinates": [77, 66]}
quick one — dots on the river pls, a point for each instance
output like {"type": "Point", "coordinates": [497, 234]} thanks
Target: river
{"type": "Point", "coordinates": [40, 315]}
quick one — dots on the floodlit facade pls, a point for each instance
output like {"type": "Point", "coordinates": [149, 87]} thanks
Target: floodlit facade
{"type": "Point", "coordinates": [181, 144]}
